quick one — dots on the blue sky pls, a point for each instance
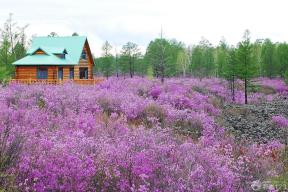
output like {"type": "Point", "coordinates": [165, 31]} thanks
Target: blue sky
{"type": "Point", "coordinates": [140, 21]}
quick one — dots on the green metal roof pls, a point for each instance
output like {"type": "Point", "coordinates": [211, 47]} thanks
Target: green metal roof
{"type": "Point", "coordinates": [73, 45]}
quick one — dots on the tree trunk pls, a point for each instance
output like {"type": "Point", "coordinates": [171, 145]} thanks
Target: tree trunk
{"type": "Point", "coordinates": [233, 89]}
{"type": "Point", "coordinates": [162, 79]}
{"type": "Point", "coordinates": [130, 68]}
{"type": "Point", "coordinates": [162, 72]}
{"type": "Point", "coordinates": [246, 99]}
{"type": "Point", "coordinates": [116, 63]}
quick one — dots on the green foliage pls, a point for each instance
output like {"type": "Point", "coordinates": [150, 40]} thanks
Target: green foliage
{"type": "Point", "coordinates": [141, 66]}
{"type": "Point", "coordinates": [222, 58]}
{"type": "Point", "coordinates": [106, 62]}
{"type": "Point", "coordinates": [130, 53]}
{"type": "Point", "coordinates": [203, 61]}
{"type": "Point", "coordinates": [157, 56]}
{"type": "Point", "coordinates": [282, 55]}
{"type": "Point", "coordinates": [268, 58]}
{"type": "Point", "coordinates": [183, 62]}
{"type": "Point", "coordinates": [246, 68]}
{"type": "Point", "coordinates": [106, 65]}
{"type": "Point", "coordinates": [163, 56]}
{"type": "Point", "coordinates": [12, 47]}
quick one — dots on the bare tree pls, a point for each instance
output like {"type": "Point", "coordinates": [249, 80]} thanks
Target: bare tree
{"type": "Point", "coordinates": [183, 61]}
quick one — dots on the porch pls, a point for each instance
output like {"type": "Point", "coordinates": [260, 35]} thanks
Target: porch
{"type": "Point", "coordinates": [58, 81]}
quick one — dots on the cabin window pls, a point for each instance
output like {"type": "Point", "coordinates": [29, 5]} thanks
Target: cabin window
{"type": "Point", "coordinates": [71, 73]}
{"type": "Point", "coordinates": [83, 55]}
{"type": "Point", "coordinates": [60, 73]}
{"type": "Point", "coordinates": [83, 73]}
{"type": "Point", "coordinates": [42, 73]}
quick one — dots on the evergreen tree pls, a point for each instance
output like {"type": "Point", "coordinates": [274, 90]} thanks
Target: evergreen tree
{"type": "Point", "coordinates": [222, 57]}
{"type": "Point", "coordinates": [246, 69]}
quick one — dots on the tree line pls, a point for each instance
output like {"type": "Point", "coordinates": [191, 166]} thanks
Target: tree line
{"type": "Point", "coordinates": [172, 58]}
{"type": "Point", "coordinates": [168, 57]}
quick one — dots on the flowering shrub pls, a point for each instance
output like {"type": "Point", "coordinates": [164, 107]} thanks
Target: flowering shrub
{"type": "Point", "coordinates": [129, 135]}
{"type": "Point", "coordinates": [280, 121]}
{"type": "Point", "coordinates": [277, 84]}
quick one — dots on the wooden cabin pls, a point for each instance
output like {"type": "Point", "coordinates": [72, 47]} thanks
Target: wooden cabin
{"type": "Point", "coordinates": [55, 60]}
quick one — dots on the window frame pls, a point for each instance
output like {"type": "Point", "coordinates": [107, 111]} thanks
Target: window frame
{"type": "Point", "coordinates": [85, 71]}
{"type": "Point", "coordinates": [84, 54]}
{"type": "Point", "coordinates": [71, 73]}
{"type": "Point", "coordinates": [42, 73]}
{"type": "Point", "coordinates": [60, 69]}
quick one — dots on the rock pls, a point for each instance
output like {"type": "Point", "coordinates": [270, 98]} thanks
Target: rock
{"type": "Point", "coordinates": [253, 122]}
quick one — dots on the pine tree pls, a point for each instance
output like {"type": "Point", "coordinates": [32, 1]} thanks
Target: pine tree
{"type": "Point", "coordinates": [246, 68]}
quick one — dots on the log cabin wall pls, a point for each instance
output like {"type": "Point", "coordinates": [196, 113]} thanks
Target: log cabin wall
{"type": "Point", "coordinates": [66, 73]}
{"type": "Point", "coordinates": [30, 72]}
{"type": "Point", "coordinates": [52, 72]}
{"type": "Point", "coordinates": [26, 72]}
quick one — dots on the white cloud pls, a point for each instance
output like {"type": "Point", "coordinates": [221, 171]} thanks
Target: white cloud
{"type": "Point", "coordinates": [139, 21]}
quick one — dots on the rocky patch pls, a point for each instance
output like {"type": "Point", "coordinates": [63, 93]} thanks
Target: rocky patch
{"type": "Point", "coordinates": [253, 122]}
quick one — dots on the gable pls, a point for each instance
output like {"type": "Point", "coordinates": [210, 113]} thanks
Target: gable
{"type": "Point", "coordinates": [39, 52]}
{"type": "Point", "coordinates": [88, 52]}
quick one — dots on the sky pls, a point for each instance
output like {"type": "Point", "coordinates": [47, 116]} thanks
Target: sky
{"type": "Point", "coordinates": [140, 21]}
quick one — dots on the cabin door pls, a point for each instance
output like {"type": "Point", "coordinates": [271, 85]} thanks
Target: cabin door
{"type": "Point", "coordinates": [83, 72]}
{"type": "Point", "coordinates": [60, 73]}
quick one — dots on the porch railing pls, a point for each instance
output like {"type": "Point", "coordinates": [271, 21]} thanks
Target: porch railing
{"type": "Point", "coordinates": [56, 81]}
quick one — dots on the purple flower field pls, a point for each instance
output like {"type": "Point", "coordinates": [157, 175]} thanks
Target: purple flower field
{"type": "Point", "coordinates": [131, 135]}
